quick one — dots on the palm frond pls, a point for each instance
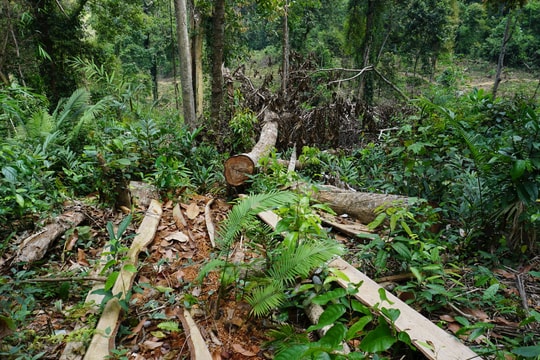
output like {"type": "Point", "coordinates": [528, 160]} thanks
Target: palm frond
{"type": "Point", "coordinates": [88, 115]}
{"type": "Point", "coordinates": [70, 110]}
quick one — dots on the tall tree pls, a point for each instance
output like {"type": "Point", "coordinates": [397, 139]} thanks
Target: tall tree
{"type": "Point", "coordinates": [286, 49]}
{"type": "Point", "coordinates": [506, 7]}
{"type": "Point", "coordinates": [427, 30]}
{"type": "Point", "coordinates": [217, 46]}
{"type": "Point", "coordinates": [365, 35]}
{"type": "Point", "coordinates": [188, 97]}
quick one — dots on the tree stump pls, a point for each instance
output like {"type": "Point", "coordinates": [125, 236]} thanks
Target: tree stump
{"type": "Point", "coordinates": [239, 167]}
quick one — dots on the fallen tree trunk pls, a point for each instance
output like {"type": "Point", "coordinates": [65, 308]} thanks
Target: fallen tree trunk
{"type": "Point", "coordinates": [359, 205]}
{"type": "Point", "coordinates": [239, 167]}
{"type": "Point", "coordinates": [35, 246]}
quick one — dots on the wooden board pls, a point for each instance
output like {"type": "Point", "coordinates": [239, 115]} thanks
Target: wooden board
{"type": "Point", "coordinates": [103, 340]}
{"type": "Point", "coordinates": [431, 340]}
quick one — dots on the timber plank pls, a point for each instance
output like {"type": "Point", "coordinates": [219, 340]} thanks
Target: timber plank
{"type": "Point", "coordinates": [431, 340]}
{"type": "Point", "coordinates": [103, 339]}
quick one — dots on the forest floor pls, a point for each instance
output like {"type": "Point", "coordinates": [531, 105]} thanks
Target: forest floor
{"type": "Point", "coordinates": [167, 281]}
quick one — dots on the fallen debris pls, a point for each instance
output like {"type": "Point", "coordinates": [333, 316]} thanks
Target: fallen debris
{"type": "Point", "coordinates": [103, 340]}
{"type": "Point", "coordinates": [34, 247]}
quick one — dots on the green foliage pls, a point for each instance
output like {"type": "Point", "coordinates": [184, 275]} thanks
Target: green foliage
{"type": "Point", "coordinates": [345, 319]}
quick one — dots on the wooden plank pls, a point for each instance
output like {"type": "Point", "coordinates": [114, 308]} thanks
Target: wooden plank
{"type": "Point", "coordinates": [197, 345]}
{"type": "Point", "coordinates": [103, 340]}
{"type": "Point", "coordinates": [431, 340]}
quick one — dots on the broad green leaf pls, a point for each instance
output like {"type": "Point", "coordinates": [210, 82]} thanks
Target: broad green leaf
{"type": "Point", "coordinates": [378, 221]}
{"type": "Point", "coordinates": [379, 339]}
{"type": "Point", "coordinates": [329, 316]}
{"type": "Point", "coordinates": [527, 351]}
{"type": "Point", "coordinates": [391, 314]}
{"type": "Point", "coordinates": [358, 326]}
{"type": "Point", "coordinates": [518, 168]}
{"type": "Point", "coordinates": [490, 292]}
{"type": "Point", "coordinates": [293, 352]}
{"type": "Point", "coordinates": [402, 250]}
{"type": "Point", "coordinates": [111, 279]}
{"type": "Point", "coordinates": [19, 199]}
{"type": "Point", "coordinates": [130, 268]}
{"type": "Point", "coordinates": [123, 162]}
{"type": "Point", "coordinates": [334, 336]}
{"type": "Point", "coordinates": [383, 296]}
{"type": "Point", "coordinates": [416, 274]}
{"type": "Point", "coordinates": [339, 274]}
{"type": "Point", "coordinates": [323, 299]}
{"type": "Point", "coordinates": [123, 226]}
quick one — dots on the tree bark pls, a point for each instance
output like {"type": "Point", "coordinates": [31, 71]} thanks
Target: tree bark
{"type": "Point", "coordinates": [197, 45]}
{"type": "Point", "coordinates": [34, 247]}
{"type": "Point", "coordinates": [286, 50]}
{"type": "Point", "coordinates": [359, 205]}
{"type": "Point", "coordinates": [500, 63]}
{"type": "Point", "coordinates": [188, 98]}
{"type": "Point", "coordinates": [218, 36]}
{"type": "Point", "coordinates": [239, 167]}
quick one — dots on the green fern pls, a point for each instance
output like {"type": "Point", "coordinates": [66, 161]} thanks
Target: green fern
{"type": "Point", "coordinates": [244, 212]}
{"type": "Point", "coordinates": [264, 299]}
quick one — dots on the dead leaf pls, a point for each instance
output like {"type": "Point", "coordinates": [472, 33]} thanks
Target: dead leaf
{"type": "Point", "coordinates": [477, 313]}
{"type": "Point", "coordinates": [7, 325]}
{"type": "Point", "coordinates": [454, 327]}
{"type": "Point", "coordinates": [81, 258]}
{"type": "Point", "coordinates": [178, 236]}
{"type": "Point", "coordinates": [151, 345]}
{"type": "Point", "coordinates": [239, 349]}
{"type": "Point", "coordinates": [70, 243]}
{"type": "Point", "coordinates": [192, 211]}
{"type": "Point", "coordinates": [178, 217]}
{"type": "Point", "coordinates": [447, 318]}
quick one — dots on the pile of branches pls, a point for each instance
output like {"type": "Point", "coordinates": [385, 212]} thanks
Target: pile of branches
{"type": "Point", "coordinates": [316, 109]}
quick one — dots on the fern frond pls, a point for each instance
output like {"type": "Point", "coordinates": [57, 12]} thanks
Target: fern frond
{"type": "Point", "coordinates": [246, 209]}
{"type": "Point", "coordinates": [264, 299]}
{"type": "Point", "coordinates": [301, 260]}
{"type": "Point", "coordinates": [479, 157]}
{"type": "Point", "coordinates": [209, 267]}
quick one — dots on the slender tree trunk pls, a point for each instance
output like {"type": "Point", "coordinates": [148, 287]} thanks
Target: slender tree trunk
{"type": "Point", "coordinates": [197, 63]}
{"type": "Point", "coordinates": [500, 64]}
{"type": "Point", "coordinates": [218, 36]}
{"type": "Point", "coordinates": [188, 99]}
{"type": "Point", "coordinates": [286, 50]}
{"type": "Point", "coordinates": [365, 91]}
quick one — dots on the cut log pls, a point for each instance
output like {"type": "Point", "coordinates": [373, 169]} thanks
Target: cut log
{"type": "Point", "coordinates": [239, 167]}
{"type": "Point", "coordinates": [359, 205]}
{"type": "Point", "coordinates": [35, 246]}
{"type": "Point", "coordinates": [103, 340]}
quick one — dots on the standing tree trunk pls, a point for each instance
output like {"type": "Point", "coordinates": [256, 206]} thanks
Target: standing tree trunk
{"type": "Point", "coordinates": [286, 49]}
{"type": "Point", "coordinates": [188, 98]}
{"type": "Point", "coordinates": [197, 46]}
{"type": "Point", "coordinates": [500, 64]}
{"type": "Point", "coordinates": [218, 39]}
